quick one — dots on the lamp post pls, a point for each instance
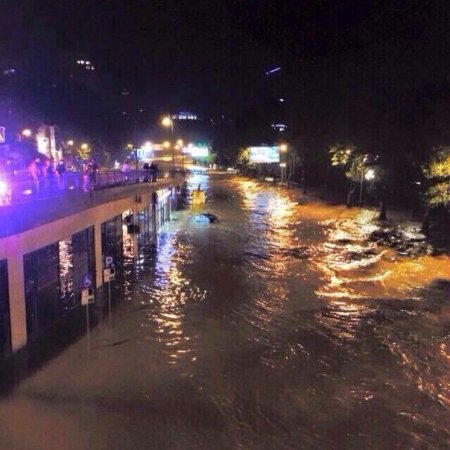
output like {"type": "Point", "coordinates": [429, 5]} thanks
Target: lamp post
{"type": "Point", "coordinates": [283, 172]}
{"type": "Point", "coordinates": [369, 175]}
{"type": "Point", "coordinates": [180, 144]}
{"type": "Point", "coordinates": [167, 122]}
{"type": "Point", "coordinates": [283, 149]}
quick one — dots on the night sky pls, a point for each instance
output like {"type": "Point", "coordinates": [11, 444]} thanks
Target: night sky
{"type": "Point", "coordinates": [211, 56]}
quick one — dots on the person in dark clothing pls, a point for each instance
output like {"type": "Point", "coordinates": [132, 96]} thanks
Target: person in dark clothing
{"type": "Point", "coordinates": [93, 169]}
{"type": "Point", "coordinates": [61, 170]}
{"type": "Point", "coordinates": [152, 172]}
{"type": "Point", "coordinates": [51, 175]}
{"type": "Point", "coordinates": [146, 168]}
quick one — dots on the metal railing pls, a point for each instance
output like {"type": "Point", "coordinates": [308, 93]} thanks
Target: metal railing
{"type": "Point", "coordinates": [22, 187]}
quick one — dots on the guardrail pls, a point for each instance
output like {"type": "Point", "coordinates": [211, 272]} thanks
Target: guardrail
{"type": "Point", "coordinates": [22, 187]}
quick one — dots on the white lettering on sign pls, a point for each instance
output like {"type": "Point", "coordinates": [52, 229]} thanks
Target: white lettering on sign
{"type": "Point", "coordinates": [109, 261]}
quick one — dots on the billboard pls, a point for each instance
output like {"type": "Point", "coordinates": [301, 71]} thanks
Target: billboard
{"type": "Point", "coordinates": [263, 154]}
{"type": "Point", "coordinates": [196, 151]}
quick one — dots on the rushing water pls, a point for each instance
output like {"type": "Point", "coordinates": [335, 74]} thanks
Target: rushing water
{"type": "Point", "coordinates": [280, 327]}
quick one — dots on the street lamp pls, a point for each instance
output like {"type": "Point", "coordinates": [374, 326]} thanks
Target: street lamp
{"type": "Point", "coordinates": [369, 175]}
{"type": "Point", "coordinates": [27, 132]}
{"type": "Point", "coordinates": [283, 149]}
{"type": "Point", "coordinates": [167, 122]}
{"type": "Point", "coordinates": [180, 144]}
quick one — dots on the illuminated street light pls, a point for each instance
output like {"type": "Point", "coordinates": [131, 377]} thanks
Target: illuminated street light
{"type": "Point", "coordinates": [167, 122]}
{"type": "Point", "coordinates": [283, 149]}
{"type": "Point", "coordinates": [166, 144]}
{"type": "Point", "coordinates": [70, 143]}
{"type": "Point", "coordinates": [370, 175]}
{"type": "Point", "coordinates": [27, 132]}
{"type": "Point", "coordinates": [84, 146]}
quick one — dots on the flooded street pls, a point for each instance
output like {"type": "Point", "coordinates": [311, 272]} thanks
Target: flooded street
{"type": "Point", "coordinates": [279, 327]}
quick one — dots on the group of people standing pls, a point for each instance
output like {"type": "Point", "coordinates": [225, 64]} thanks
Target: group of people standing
{"type": "Point", "coordinates": [50, 176]}
{"type": "Point", "coordinates": [47, 175]}
{"type": "Point", "coordinates": [151, 172]}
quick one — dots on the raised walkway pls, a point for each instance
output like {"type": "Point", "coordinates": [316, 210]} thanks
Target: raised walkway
{"type": "Point", "coordinates": [36, 210]}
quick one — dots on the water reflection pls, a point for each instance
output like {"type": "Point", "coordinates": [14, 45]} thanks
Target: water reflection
{"type": "Point", "coordinates": [355, 268]}
{"type": "Point", "coordinates": [169, 292]}
{"type": "Point", "coordinates": [66, 268]}
{"type": "Point", "coordinates": [281, 326]}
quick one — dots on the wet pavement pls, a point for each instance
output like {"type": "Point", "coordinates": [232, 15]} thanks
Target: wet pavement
{"type": "Point", "coordinates": [280, 326]}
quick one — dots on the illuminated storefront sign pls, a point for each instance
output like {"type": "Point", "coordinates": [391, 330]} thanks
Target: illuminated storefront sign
{"type": "Point", "coordinates": [263, 154]}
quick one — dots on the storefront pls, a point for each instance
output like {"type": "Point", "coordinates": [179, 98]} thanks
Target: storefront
{"type": "Point", "coordinates": [54, 277]}
{"type": "Point", "coordinates": [112, 240]}
{"type": "Point", "coordinates": [42, 288]}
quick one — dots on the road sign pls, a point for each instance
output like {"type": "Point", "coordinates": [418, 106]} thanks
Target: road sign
{"type": "Point", "coordinates": [109, 274]}
{"type": "Point", "coordinates": [87, 281]}
{"type": "Point", "coordinates": [87, 296]}
{"type": "Point", "coordinates": [109, 261]}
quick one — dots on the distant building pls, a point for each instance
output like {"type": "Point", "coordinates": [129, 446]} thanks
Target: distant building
{"type": "Point", "coordinates": [46, 142]}
{"type": "Point", "coordinates": [185, 116]}
{"type": "Point", "coordinates": [279, 126]}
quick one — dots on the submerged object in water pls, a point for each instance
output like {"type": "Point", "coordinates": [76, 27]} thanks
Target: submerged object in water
{"type": "Point", "coordinates": [211, 217]}
{"type": "Point", "coordinates": [205, 217]}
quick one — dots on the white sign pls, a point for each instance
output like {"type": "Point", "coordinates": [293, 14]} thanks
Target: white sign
{"type": "Point", "coordinates": [109, 274]}
{"type": "Point", "coordinates": [263, 154]}
{"type": "Point", "coordinates": [196, 151]}
{"type": "Point", "coordinates": [87, 296]}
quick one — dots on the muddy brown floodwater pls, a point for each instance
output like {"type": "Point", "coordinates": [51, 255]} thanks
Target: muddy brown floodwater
{"type": "Point", "coordinates": [279, 327]}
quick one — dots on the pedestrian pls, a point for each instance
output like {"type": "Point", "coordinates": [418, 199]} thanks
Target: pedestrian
{"type": "Point", "coordinates": [86, 177]}
{"type": "Point", "coordinates": [156, 172]}
{"type": "Point", "coordinates": [152, 172]}
{"type": "Point", "coordinates": [93, 169]}
{"type": "Point", "coordinates": [125, 169]}
{"type": "Point", "coordinates": [146, 168]}
{"type": "Point", "coordinates": [61, 171]}
{"type": "Point", "coordinates": [51, 176]}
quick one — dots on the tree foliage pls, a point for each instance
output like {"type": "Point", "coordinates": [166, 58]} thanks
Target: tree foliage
{"type": "Point", "coordinates": [437, 172]}
{"type": "Point", "coordinates": [243, 157]}
{"type": "Point", "coordinates": [352, 159]}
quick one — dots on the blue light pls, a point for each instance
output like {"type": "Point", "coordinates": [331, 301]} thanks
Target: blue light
{"type": "Point", "coordinates": [270, 72]}
{"type": "Point", "coordinates": [3, 189]}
